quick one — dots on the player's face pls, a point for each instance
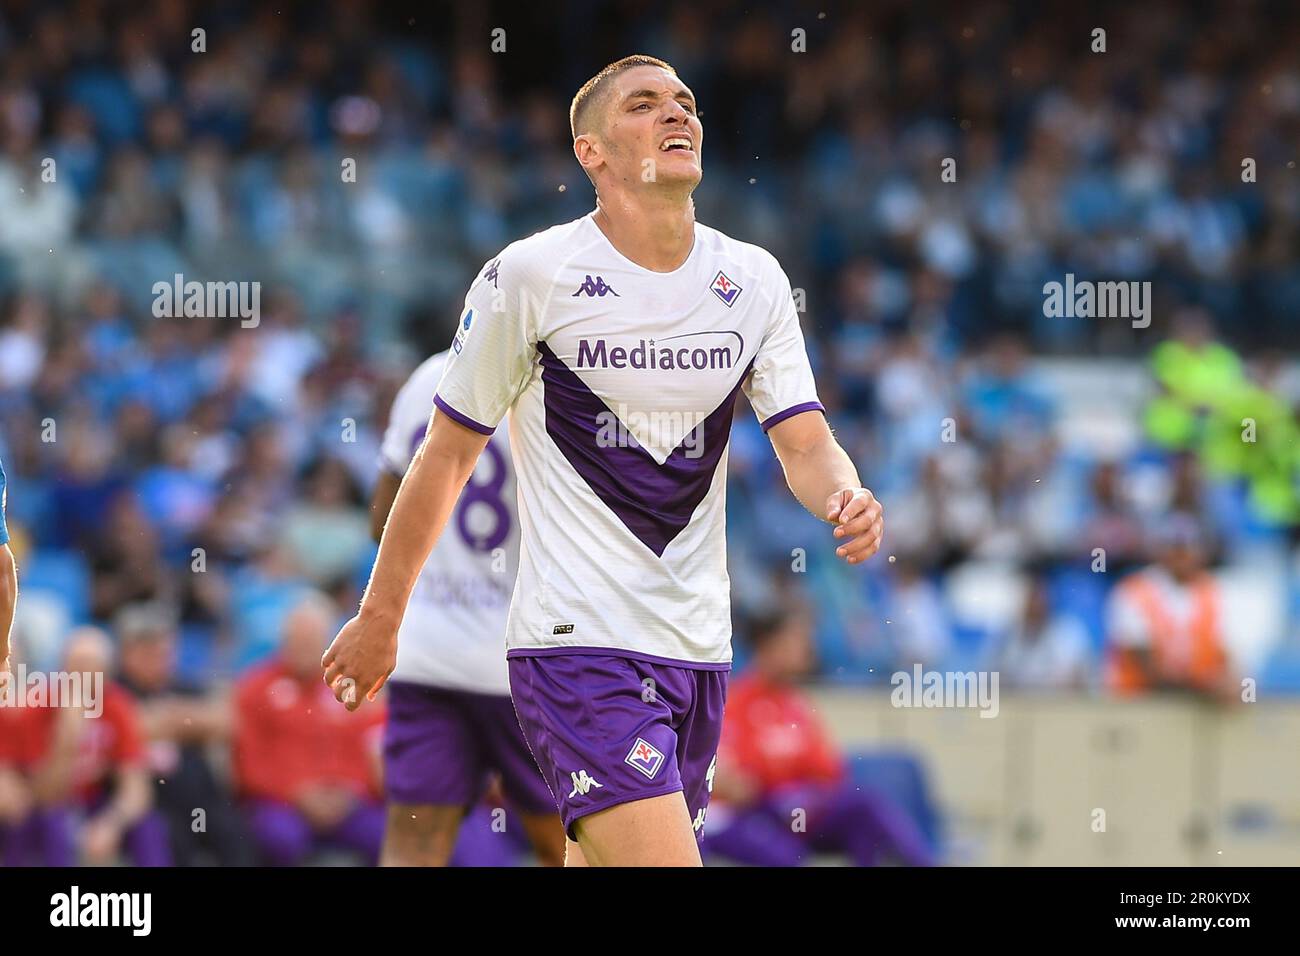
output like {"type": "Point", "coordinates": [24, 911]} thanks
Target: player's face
{"type": "Point", "coordinates": [652, 116]}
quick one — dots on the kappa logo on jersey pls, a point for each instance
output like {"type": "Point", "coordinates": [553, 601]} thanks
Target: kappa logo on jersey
{"type": "Point", "coordinates": [462, 330]}
{"type": "Point", "coordinates": [644, 757]}
{"type": "Point", "coordinates": [492, 272]}
{"type": "Point", "coordinates": [595, 287]}
{"type": "Point", "coordinates": [725, 289]}
{"type": "Point", "coordinates": [582, 783]}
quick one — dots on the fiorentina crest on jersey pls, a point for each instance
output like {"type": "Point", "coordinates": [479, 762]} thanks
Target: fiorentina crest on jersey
{"type": "Point", "coordinates": [725, 289]}
{"type": "Point", "coordinates": [645, 757]}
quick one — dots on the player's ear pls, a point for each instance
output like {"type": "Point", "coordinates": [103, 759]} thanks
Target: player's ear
{"type": "Point", "coordinates": [588, 152]}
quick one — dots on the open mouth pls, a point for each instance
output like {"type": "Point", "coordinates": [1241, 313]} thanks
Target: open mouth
{"type": "Point", "coordinates": [676, 143]}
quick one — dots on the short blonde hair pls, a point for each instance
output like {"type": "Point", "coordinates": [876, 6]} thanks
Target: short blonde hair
{"type": "Point", "coordinates": [593, 90]}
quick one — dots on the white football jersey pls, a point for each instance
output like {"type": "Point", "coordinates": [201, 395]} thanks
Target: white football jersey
{"type": "Point", "coordinates": [620, 384]}
{"type": "Point", "coordinates": [453, 632]}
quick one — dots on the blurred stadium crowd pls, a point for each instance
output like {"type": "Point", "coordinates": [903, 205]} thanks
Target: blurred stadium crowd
{"type": "Point", "coordinates": [183, 484]}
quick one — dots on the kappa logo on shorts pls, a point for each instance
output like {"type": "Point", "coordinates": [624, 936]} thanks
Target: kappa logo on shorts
{"type": "Point", "coordinates": [644, 757]}
{"type": "Point", "coordinates": [582, 783]}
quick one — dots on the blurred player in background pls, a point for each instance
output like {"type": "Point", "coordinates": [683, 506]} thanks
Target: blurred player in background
{"type": "Point", "coordinates": [781, 784]}
{"type": "Point", "coordinates": [1164, 624]}
{"type": "Point", "coordinates": [450, 719]}
{"type": "Point", "coordinates": [619, 343]}
{"type": "Point", "coordinates": [309, 772]}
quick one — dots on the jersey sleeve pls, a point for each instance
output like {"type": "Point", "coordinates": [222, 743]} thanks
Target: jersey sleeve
{"type": "Point", "coordinates": [781, 384]}
{"type": "Point", "coordinates": [492, 355]}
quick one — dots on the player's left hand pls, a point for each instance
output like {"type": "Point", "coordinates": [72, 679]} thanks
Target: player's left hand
{"type": "Point", "coordinates": [861, 523]}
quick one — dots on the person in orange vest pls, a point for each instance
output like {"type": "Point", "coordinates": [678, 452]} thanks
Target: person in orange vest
{"type": "Point", "coordinates": [1164, 623]}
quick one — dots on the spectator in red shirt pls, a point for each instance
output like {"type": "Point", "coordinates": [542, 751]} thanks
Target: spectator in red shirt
{"type": "Point", "coordinates": [307, 769]}
{"type": "Point", "coordinates": [780, 789]}
{"type": "Point", "coordinates": [82, 757]}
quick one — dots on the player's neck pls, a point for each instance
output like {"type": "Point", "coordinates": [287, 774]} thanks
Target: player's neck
{"type": "Point", "coordinates": [656, 234]}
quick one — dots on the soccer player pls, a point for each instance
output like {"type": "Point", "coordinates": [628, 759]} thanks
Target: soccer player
{"type": "Point", "coordinates": [450, 719]}
{"type": "Point", "coordinates": [618, 343]}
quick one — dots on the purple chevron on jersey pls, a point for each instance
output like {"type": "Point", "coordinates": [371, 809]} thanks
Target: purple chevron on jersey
{"type": "Point", "coordinates": [654, 501]}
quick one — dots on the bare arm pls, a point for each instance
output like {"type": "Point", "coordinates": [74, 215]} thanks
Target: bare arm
{"type": "Point", "coordinates": [366, 648]}
{"type": "Point", "coordinates": [8, 598]}
{"type": "Point", "coordinates": [825, 481]}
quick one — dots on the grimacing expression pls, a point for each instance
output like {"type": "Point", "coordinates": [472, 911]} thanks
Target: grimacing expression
{"type": "Point", "coordinates": [651, 114]}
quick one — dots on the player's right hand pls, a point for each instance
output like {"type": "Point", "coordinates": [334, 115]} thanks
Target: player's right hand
{"type": "Point", "coordinates": [359, 660]}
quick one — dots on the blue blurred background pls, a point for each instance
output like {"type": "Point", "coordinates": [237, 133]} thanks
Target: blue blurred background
{"type": "Point", "coordinates": [1008, 446]}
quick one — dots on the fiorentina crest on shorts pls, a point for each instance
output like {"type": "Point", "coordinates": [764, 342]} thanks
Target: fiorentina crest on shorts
{"type": "Point", "coordinates": [645, 758]}
{"type": "Point", "coordinates": [725, 289]}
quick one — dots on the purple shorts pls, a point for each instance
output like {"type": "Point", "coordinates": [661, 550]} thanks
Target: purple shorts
{"type": "Point", "coordinates": [441, 745]}
{"type": "Point", "coordinates": [608, 730]}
